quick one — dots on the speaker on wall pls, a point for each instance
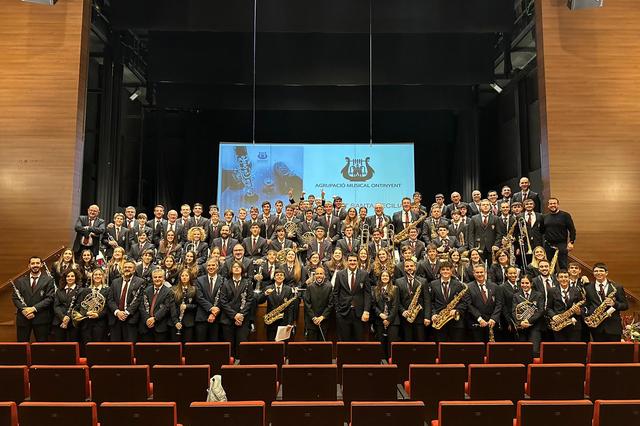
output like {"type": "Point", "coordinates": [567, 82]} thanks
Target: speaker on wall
{"type": "Point", "coordinates": [584, 4]}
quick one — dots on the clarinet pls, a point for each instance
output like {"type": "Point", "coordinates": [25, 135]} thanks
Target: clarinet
{"type": "Point", "coordinates": [181, 316]}
{"type": "Point", "coordinates": [70, 309]}
{"type": "Point", "coordinates": [19, 295]}
{"type": "Point", "coordinates": [145, 300]}
{"type": "Point", "coordinates": [135, 297]}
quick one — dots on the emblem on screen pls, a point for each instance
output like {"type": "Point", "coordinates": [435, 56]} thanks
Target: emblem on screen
{"type": "Point", "coordinates": [262, 155]}
{"type": "Point", "coordinates": [357, 169]}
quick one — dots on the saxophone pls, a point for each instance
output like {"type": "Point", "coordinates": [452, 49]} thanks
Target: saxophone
{"type": "Point", "coordinates": [601, 312]}
{"type": "Point", "coordinates": [563, 319]}
{"type": "Point", "coordinates": [414, 307]}
{"type": "Point", "coordinates": [277, 313]}
{"type": "Point", "coordinates": [404, 234]}
{"type": "Point", "coordinates": [554, 261]}
{"type": "Point", "coordinates": [445, 314]}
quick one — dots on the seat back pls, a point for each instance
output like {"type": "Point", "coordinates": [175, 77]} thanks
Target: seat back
{"type": "Point", "coordinates": [138, 414]}
{"type": "Point", "coordinates": [216, 354]}
{"type": "Point", "coordinates": [510, 352]}
{"type": "Point", "coordinates": [302, 382]}
{"type": "Point", "coordinates": [182, 384]}
{"type": "Point", "coordinates": [613, 381]}
{"type": "Point", "coordinates": [109, 353]}
{"type": "Point", "coordinates": [561, 352]}
{"type": "Point", "coordinates": [476, 413]}
{"type": "Point", "coordinates": [310, 352]}
{"type": "Point", "coordinates": [261, 353]}
{"type": "Point", "coordinates": [250, 382]}
{"type": "Point", "coordinates": [309, 413]}
{"type": "Point", "coordinates": [122, 383]}
{"type": "Point", "coordinates": [388, 413]}
{"type": "Point", "coordinates": [158, 354]}
{"type": "Point", "coordinates": [357, 353]}
{"type": "Point", "coordinates": [556, 381]}
{"type": "Point", "coordinates": [59, 383]}
{"type": "Point", "coordinates": [15, 383]}
{"type": "Point", "coordinates": [57, 413]}
{"type": "Point", "coordinates": [497, 382]}
{"type": "Point", "coordinates": [243, 413]}
{"type": "Point", "coordinates": [58, 353]}
{"type": "Point", "coordinates": [434, 383]}
{"type": "Point", "coordinates": [616, 413]}
{"type": "Point", "coordinates": [555, 413]}
{"type": "Point", "coordinates": [12, 353]}
{"type": "Point", "coordinates": [461, 353]}
{"type": "Point", "coordinates": [610, 352]}
{"type": "Point", "coordinates": [362, 382]}
{"type": "Point", "coordinates": [8, 414]}
{"type": "Point", "coordinates": [405, 353]}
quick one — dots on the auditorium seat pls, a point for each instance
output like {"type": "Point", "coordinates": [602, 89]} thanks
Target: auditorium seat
{"type": "Point", "coordinates": [216, 354]}
{"type": "Point", "coordinates": [610, 352]}
{"type": "Point", "coordinates": [310, 352]}
{"type": "Point", "coordinates": [109, 353]}
{"type": "Point", "coordinates": [405, 353]}
{"type": "Point", "coordinates": [554, 413]}
{"type": "Point", "coordinates": [262, 353]}
{"type": "Point", "coordinates": [434, 383]}
{"type": "Point", "coordinates": [362, 382]}
{"type": "Point", "coordinates": [182, 384]}
{"type": "Point", "coordinates": [60, 383]}
{"type": "Point", "coordinates": [509, 352]}
{"type": "Point", "coordinates": [8, 414]}
{"type": "Point", "coordinates": [297, 380]}
{"type": "Point", "coordinates": [12, 353]}
{"type": "Point", "coordinates": [559, 352]}
{"type": "Point", "coordinates": [497, 382]}
{"type": "Point", "coordinates": [14, 381]}
{"type": "Point", "coordinates": [119, 383]}
{"type": "Point", "coordinates": [307, 413]}
{"type": "Point", "coordinates": [158, 354]}
{"type": "Point", "coordinates": [616, 412]}
{"type": "Point", "coordinates": [461, 353]}
{"type": "Point", "coordinates": [58, 353]}
{"type": "Point", "coordinates": [57, 413]}
{"type": "Point", "coordinates": [243, 413]}
{"type": "Point", "coordinates": [138, 414]}
{"type": "Point", "coordinates": [556, 381]}
{"type": "Point", "coordinates": [476, 413]}
{"type": "Point", "coordinates": [250, 382]}
{"type": "Point", "coordinates": [613, 381]}
{"type": "Point", "coordinates": [357, 353]}
{"type": "Point", "coordinates": [387, 413]}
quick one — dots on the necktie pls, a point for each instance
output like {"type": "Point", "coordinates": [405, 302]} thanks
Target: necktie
{"type": "Point", "coordinates": [526, 295]}
{"type": "Point", "coordinates": [483, 294]}
{"type": "Point", "coordinates": [270, 272]}
{"type": "Point", "coordinates": [157, 224]}
{"type": "Point", "coordinates": [320, 251]}
{"type": "Point", "coordinates": [529, 219]}
{"type": "Point", "coordinates": [117, 234]}
{"type": "Point", "coordinates": [380, 222]}
{"type": "Point", "coordinates": [565, 297]}
{"type": "Point", "coordinates": [548, 282]}
{"type": "Point", "coordinates": [278, 290]}
{"type": "Point", "coordinates": [171, 228]}
{"type": "Point", "coordinates": [349, 245]}
{"type": "Point", "coordinates": [506, 222]}
{"type": "Point", "coordinates": [153, 301]}
{"type": "Point", "coordinates": [445, 290]}
{"type": "Point", "coordinates": [406, 218]}
{"type": "Point", "coordinates": [485, 220]}
{"type": "Point", "coordinates": [34, 282]}
{"type": "Point", "coordinates": [525, 195]}
{"type": "Point", "coordinates": [68, 290]}
{"type": "Point", "coordinates": [123, 295]}
{"type": "Point", "coordinates": [224, 247]}
{"type": "Point", "coordinates": [602, 294]}
{"type": "Point", "coordinates": [211, 285]}
{"type": "Point", "coordinates": [411, 286]}
{"type": "Point", "coordinates": [253, 244]}
{"type": "Point", "coordinates": [353, 281]}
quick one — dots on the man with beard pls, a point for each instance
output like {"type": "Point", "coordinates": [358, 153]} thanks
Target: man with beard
{"type": "Point", "coordinates": [33, 298]}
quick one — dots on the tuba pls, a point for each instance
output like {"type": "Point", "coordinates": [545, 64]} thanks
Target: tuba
{"type": "Point", "coordinates": [93, 302]}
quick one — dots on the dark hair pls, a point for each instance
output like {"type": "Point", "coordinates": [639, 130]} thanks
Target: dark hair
{"type": "Point", "coordinates": [446, 264]}
{"type": "Point", "coordinates": [601, 265]}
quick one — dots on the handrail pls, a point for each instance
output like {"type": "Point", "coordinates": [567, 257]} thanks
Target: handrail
{"type": "Point", "coordinates": [585, 266]}
{"type": "Point", "coordinates": [49, 259]}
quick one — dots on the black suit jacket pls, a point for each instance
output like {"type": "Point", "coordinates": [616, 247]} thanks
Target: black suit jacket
{"type": "Point", "coordinates": [539, 286]}
{"type": "Point", "coordinates": [333, 228]}
{"type": "Point", "coordinates": [260, 248]}
{"type": "Point", "coordinates": [518, 196]}
{"type": "Point", "coordinates": [277, 245]}
{"type": "Point", "coordinates": [41, 298]}
{"type": "Point", "coordinates": [537, 319]}
{"type": "Point", "coordinates": [406, 296]}
{"type": "Point", "coordinates": [231, 242]}
{"type": "Point", "coordinates": [419, 251]}
{"type": "Point", "coordinates": [135, 292]}
{"type": "Point", "coordinates": [477, 308]}
{"type": "Point", "coordinates": [427, 271]}
{"type": "Point", "coordinates": [327, 249]}
{"type": "Point", "coordinates": [557, 304]}
{"type": "Point", "coordinates": [439, 302]}
{"type": "Point", "coordinates": [379, 302]}
{"type": "Point", "coordinates": [373, 251]}
{"type": "Point", "coordinates": [161, 311]}
{"type": "Point", "coordinates": [534, 231]}
{"type": "Point", "coordinates": [506, 292]}
{"type": "Point", "coordinates": [246, 228]}
{"type": "Point", "coordinates": [318, 301]}
{"type": "Point", "coordinates": [82, 230]}
{"type": "Point", "coordinates": [372, 221]}
{"type": "Point", "coordinates": [247, 267]}
{"type": "Point", "coordinates": [207, 299]}
{"type": "Point", "coordinates": [189, 315]}
{"type": "Point", "coordinates": [611, 325]}
{"type": "Point", "coordinates": [484, 236]}
{"type": "Point", "coordinates": [135, 251]}
{"type": "Point", "coordinates": [61, 304]}
{"type": "Point", "coordinates": [398, 218]}
{"type": "Point", "coordinates": [345, 299]}
{"type": "Point", "coordinates": [274, 300]}
{"type": "Point", "coordinates": [342, 244]}
{"type": "Point", "coordinates": [234, 301]}
{"type": "Point", "coordinates": [123, 239]}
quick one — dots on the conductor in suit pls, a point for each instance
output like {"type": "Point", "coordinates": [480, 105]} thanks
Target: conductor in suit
{"type": "Point", "coordinates": [89, 230]}
{"type": "Point", "coordinates": [276, 295]}
{"type": "Point", "coordinates": [526, 194]}
{"type": "Point", "coordinates": [124, 301]}
{"type": "Point", "coordinates": [606, 292]}
{"type": "Point", "coordinates": [352, 297]}
{"type": "Point", "coordinates": [318, 305]}
{"type": "Point", "coordinates": [484, 305]}
{"type": "Point", "coordinates": [208, 300]}
{"type": "Point", "coordinates": [33, 297]}
{"type": "Point", "coordinates": [484, 231]}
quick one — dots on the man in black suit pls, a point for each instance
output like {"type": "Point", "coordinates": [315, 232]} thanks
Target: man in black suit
{"type": "Point", "coordinates": [444, 242]}
{"type": "Point", "coordinates": [348, 244]}
{"type": "Point", "coordinates": [376, 243]}
{"type": "Point", "coordinates": [429, 268]}
{"type": "Point", "coordinates": [318, 306]}
{"type": "Point", "coordinates": [146, 266]}
{"type": "Point", "coordinates": [612, 295]}
{"type": "Point", "coordinates": [331, 223]}
{"type": "Point", "coordinates": [506, 195]}
{"type": "Point", "coordinates": [124, 301]}
{"type": "Point", "coordinates": [417, 246]}
{"type": "Point", "coordinates": [129, 217]}
{"type": "Point", "coordinates": [443, 290]}
{"type": "Point", "coordinates": [484, 231]}
{"type": "Point", "coordinates": [290, 223]}
{"type": "Point", "coordinates": [116, 235]}
{"type": "Point", "coordinates": [534, 223]}
{"type": "Point", "coordinates": [474, 206]}
{"type": "Point", "coordinates": [545, 282]}
{"type": "Point", "coordinates": [136, 249]}
{"type": "Point", "coordinates": [279, 241]}
{"type": "Point", "coordinates": [201, 221]}
{"type": "Point", "coordinates": [158, 225]}
{"type": "Point", "coordinates": [186, 221]}
{"type": "Point", "coordinates": [253, 219]}
{"type": "Point", "coordinates": [352, 298]}
{"type": "Point", "coordinates": [255, 246]}
{"type": "Point", "coordinates": [526, 194]}
{"type": "Point", "coordinates": [173, 224]}
{"type": "Point", "coordinates": [269, 220]}
{"type": "Point", "coordinates": [529, 330]}
{"type": "Point", "coordinates": [459, 229]}
{"type": "Point", "coordinates": [225, 242]}
{"type": "Point", "coordinates": [234, 230]}
{"type": "Point", "coordinates": [456, 202]}
{"type": "Point", "coordinates": [564, 298]}
{"type": "Point", "coordinates": [339, 209]}
{"type": "Point", "coordinates": [141, 225]}
{"type": "Point", "coordinates": [276, 295]}
{"type": "Point", "coordinates": [214, 227]}
{"type": "Point", "coordinates": [378, 219]}
{"type": "Point", "coordinates": [208, 301]}
{"type": "Point", "coordinates": [308, 224]}
{"type": "Point", "coordinates": [320, 245]}
{"type": "Point", "coordinates": [236, 301]}
{"type": "Point", "coordinates": [484, 306]}
{"type": "Point", "coordinates": [431, 224]}
{"type": "Point", "coordinates": [404, 217]}
{"type": "Point", "coordinates": [33, 298]}
{"type": "Point", "coordinates": [89, 230]}
{"type": "Point", "coordinates": [237, 256]}
{"type": "Point", "coordinates": [154, 321]}
{"type": "Point", "coordinates": [408, 286]}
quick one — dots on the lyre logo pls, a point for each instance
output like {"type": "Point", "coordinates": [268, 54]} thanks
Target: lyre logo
{"type": "Point", "coordinates": [357, 169]}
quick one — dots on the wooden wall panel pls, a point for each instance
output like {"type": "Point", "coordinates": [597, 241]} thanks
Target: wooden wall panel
{"type": "Point", "coordinates": [589, 63]}
{"type": "Point", "coordinates": [43, 58]}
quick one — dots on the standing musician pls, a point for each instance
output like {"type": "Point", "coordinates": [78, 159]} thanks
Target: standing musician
{"type": "Point", "coordinates": [308, 224]}
{"type": "Point", "coordinates": [225, 242]}
{"type": "Point", "coordinates": [197, 245]}
{"type": "Point", "coordinates": [65, 298]}
{"type": "Point", "coordinates": [136, 250]}
{"type": "Point", "coordinates": [443, 291]}
{"type": "Point", "coordinates": [277, 295]}
{"type": "Point", "coordinates": [417, 246]}
{"type": "Point", "coordinates": [156, 310]}
{"type": "Point", "coordinates": [506, 290]}
{"type": "Point", "coordinates": [116, 235]}
{"type": "Point", "coordinates": [331, 223]}
{"type": "Point", "coordinates": [484, 231]}
{"type": "Point", "coordinates": [89, 230]}
{"type": "Point", "coordinates": [146, 266]}
{"type": "Point", "coordinates": [93, 328]}
{"type": "Point", "coordinates": [236, 300]}
{"type": "Point", "coordinates": [208, 300]}
{"type": "Point", "coordinates": [484, 306]}
{"type": "Point", "coordinates": [435, 220]}
{"type": "Point", "coordinates": [564, 298]}
{"type": "Point", "coordinates": [378, 220]}
{"type": "Point", "coordinates": [169, 246]}
{"type": "Point", "coordinates": [408, 287]}
{"type": "Point", "coordinates": [318, 306]}
{"type": "Point", "coordinates": [279, 241]}
{"type": "Point", "coordinates": [183, 308]}
{"type": "Point", "coordinates": [376, 243]}
{"type": "Point", "coordinates": [33, 299]}
{"type": "Point", "coordinates": [320, 245]}
{"type": "Point", "coordinates": [255, 246]}
{"type": "Point", "coordinates": [526, 194]}
{"type": "Point", "coordinates": [385, 301]}
{"type": "Point", "coordinates": [238, 256]}
{"type": "Point", "coordinates": [352, 298]}
{"type": "Point", "coordinates": [403, 218]}
{"type": "Point", "coordinates": [348, 244]}
{"type": "Point", "coordinates": [498, 271]}
{"type": "Point", "coordinates": [528, 314]}
{"type": "Point", "coordinates": [534, 222]}
{"type": "Point", "coordinates": [608, 297]}
{"type": "Point", "coordinates": [124, 301]}
{"type": "Point", "coordinates": [429, 268]}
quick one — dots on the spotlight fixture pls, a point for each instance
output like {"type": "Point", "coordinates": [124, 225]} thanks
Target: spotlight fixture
{"type": "Point", "coordinates": [495, 87]}
{"type": "Point", "coordinates": [584, 4]}
{"type": "Point", "coordinates": [47, 2]}
{"type": "Point", "coordinates": [135, 95]}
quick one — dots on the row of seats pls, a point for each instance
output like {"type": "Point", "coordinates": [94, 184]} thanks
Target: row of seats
{"type": "Point", "coordinates": [253, 413]}
{"type": "Point", "coordinates": [428, 383]}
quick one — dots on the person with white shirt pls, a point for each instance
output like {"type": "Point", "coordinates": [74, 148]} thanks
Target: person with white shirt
{"type": "Point", "coordinates": [563, 298]}
{"type": "Point", "coordinates": [528, 329]}
{"type": "Point", "coordinates": [33, 296]}
{"type": "Point", "coordinates": [276, 295]}
{"type": "Point", "coordinates": [123, 303]}
{"type": "Point", "coordinates": [506, 290]}
{"type": "Point", "coordinates": [208, 301]}
{"type": "Point", "coordinates": [605, 292]}
{"type": "Point", "coordinates": [63, 329]}
{"type": "Point", "coordinates": [352, 297]}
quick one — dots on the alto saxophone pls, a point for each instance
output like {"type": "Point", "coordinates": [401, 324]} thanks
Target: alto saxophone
{"type": "Point", "coordinates": [445, 314]}
{"type": "Point", "coordinates": [562, 320]}
{"type": "Point", "coordinates": [278, 312]}
{"type": "Point", "coordinates": [404, 234]}
{"type": "Point", "coordinates": [414, 307]}
{"type": "Point", "coordinates": [601, 313]}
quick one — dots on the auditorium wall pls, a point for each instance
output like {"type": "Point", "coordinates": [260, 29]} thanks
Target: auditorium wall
{"type": "Point", "coordinates": [43, 56]}
{"type": "Point", "coordinates": [589, 69]}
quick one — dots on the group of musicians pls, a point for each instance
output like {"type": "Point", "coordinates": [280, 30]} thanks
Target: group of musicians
{"type": "Point", "coordinates": [491, 269]}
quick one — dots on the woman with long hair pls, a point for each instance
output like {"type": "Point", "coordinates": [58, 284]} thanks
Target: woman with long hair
{"type": "Point", "coordinates": [169, 246]}
{"type": "Point", "coordinates": [352, 219]}
{"type": "Point", "coordinates": [64, 300]}
{"type": "Point", "coordinates": [116, 263]}
{"type": "Point", "coordinates": [292, 269]}
{"type": "Point", "coordinates": [498, 271]}
{"type": "Point", "coordinates": [364, 260]}
{"type": "Point", "coordinates": [183, 309]}
{"type": "Point", "coordinates": [170, 268]}
{"type": "Point", "coordinates": [94, 327]}
{"type": "Point", "coordinates": [66, 262]}
{"type": "Point", "coordinates": [457, 266]}
{"type": "Point", "coordinates": [189, 263]}
{"type": "Point", "coordinates": [539, 254]}
{"type": "Point", "coordinates": [87, 264]}
{"type": "Point", "coordinates": [385, 312]}
{"type": "Point", "coordinates": [335, 264]}
{"type": "Point", "coordinates": [384, 262]}
{"type": "Point", "coordinates": [474, 259]}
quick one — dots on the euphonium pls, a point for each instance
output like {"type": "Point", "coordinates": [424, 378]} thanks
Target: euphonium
{"type": "Point", "coordinates": [562, 320]}
{"type": "Point", "coordinates": [414, 307]}
{"type": "Point", "coordinates": [278, 312]}
{"type": "Point", "coordinates": [601, 313]}
{"type": "Point", "coordinates": [445, 314]}
{"type": "Point", "coordinates": [93, 302]}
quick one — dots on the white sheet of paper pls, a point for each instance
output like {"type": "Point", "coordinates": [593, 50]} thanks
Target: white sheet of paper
{"type": "Point", "coordinates": [283, 333]}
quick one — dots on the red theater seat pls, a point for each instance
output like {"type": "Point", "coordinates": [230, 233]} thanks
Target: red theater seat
{"type": "Point", "coordinates": [119, 383]}
{"type": "Point", "coordinates": [461, 353]}
{"type": "Point", "coordinates": [216, 354]}
{"type": "Point", "coordinates": [308, 413]}
{"type": "Point", "coordinates": [158, 354]}
{"type": "Point", "coordinates": [59, 353]}
{"type": "Point", "coordinates": [556, 381]}
{"type": "Point", "coordinates": [138, 414]}
{"type": "Point", "coordinates": [302, 382]}
{"type": "Point", "coordinates": [554, 413]}
{"type": "Point", "coordinates": [497, 382]}
{"type": "Point", "coordinates": [12, 353]}
{"type": "Point", "coordinates": [8, 414]}
{"type": "Point", "coordinates": [250, 382]}
{"type": "Point", "coordinates": [369, 383]}
{"type": "Point", "coordinates": [109, 353]}
{"type": "Point", "coordinates": [357, 353]}
{"type": "Point", "coordinates": [563, 352]}
{"type": "Point", "coordinates": [387, 413]}
{"type": "Point", "coordinates": [613, 381]}
{"type": "Point", "coordinates": [182, 384]}
{"type": "Point", "coordinates": [57, 413]}
{"type": "Point", "coordinates": [434, 383]}
{"type": "Point", "coordinates": [476, 413]}
{"type": "Point", "coordinates": [310, 352]}
{"type": "Point", "coordinates": [510, 353]}
{"type": "Point", "coordinates": [244, 413]}
{"type": "Point", "coordinates": [14, 383]}
{"type": "Point", "coordinates": [616, 413]}
{"type": "Point", "coordinates": [262, 353]}
{"type": "Point", "coordinates": [405, 353]}
{"type": "Point", "coordinates": [60, 383]}
{"type": "Point", "coordinates": [610, 352]}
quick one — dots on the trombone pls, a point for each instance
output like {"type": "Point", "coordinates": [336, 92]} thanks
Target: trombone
{"type": "Point", "coordinates": [522, 230]}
